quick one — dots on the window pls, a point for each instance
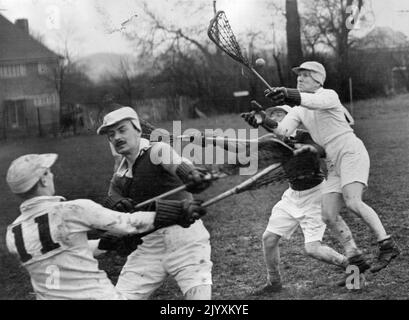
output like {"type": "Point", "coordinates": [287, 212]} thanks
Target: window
{"type": "Point", "coordinates": [43, 68]}
{"type": "Point", "coordinates": [16, 113]}
{"type": "Point", "coordinates": [12, 71]}
{"type": "Point", "coordinates": [45, 100]}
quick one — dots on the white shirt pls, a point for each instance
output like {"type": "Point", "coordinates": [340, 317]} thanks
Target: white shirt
{"type": "Point", "coordinates": [58, 256]}
{"type": "Point", "coordinates": [321, 113]}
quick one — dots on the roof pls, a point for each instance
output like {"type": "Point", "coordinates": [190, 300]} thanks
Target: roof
{"type": "Point", "coordinates": [16, 44]}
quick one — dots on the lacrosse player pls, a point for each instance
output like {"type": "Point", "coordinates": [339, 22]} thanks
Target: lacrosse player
{"type": "Point", "coordinates": [300, 205]}
{"type": "Point", "coordinates": [147, 170]}
{"type": "Point", "coordinates": [321, 112]}
{"type": "Point", "coordinates": [50, 235]}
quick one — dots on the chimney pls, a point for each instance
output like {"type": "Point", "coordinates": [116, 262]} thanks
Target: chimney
{"type": "Point", "coordinates": [22, 24]}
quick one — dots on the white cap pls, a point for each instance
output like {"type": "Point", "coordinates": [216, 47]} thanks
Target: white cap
{"type": "Point", "coordinates": [25, 171]}
{"type": "Point", "coordinates": [318, 71]}
{"type": "Point", "coordinates": [124, 113]}
{"type": "Point", "coordinates": [284, 108]}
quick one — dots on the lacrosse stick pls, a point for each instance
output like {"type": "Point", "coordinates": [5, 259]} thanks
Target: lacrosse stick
{"type": "Point", "coordinates": [270, 146]}
{"type": "Point", "coordinates": [271, 174]}
{"type": "Point", "coordinates": [202, 138]}
{"type": "Point", "coordinates": [215, 176]}
{"type": "Point", "coordinates": [222, 35]}
{"type": "Point", "coordinates": [209, 177]}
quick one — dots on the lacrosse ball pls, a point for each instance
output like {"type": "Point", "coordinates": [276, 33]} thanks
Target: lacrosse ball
{"type": "Point", "coordinates": [260, 62]}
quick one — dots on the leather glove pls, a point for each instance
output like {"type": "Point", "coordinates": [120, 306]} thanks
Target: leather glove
{"type": "Point", "coordinates": [281, 95]}
{"type": "Point", "coordinates": [197, 179]}
{"type": "Point", "coordinates": [183, 213]}
{"type": "Point", "coordinates": [254, 118]}
{"type": "Point", "coordinates": [191, 211]}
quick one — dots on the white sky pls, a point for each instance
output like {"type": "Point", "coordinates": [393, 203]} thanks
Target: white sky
{"type": "Point", "coordinates": [88, 25]}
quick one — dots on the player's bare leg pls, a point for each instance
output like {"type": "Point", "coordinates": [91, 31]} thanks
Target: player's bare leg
{"type": "Point", "coordinates": [326, 254]}
{"type": "Point", "coordinates": [271, 253]}
{"type": "Point", "coordinates": [388, 249]}
{"type": "Point", "coordinates": [352, 194]}
{"type": "Point", "coordinates": [331, 207]}
{"type": "Point", "coordinates": [203, 292]}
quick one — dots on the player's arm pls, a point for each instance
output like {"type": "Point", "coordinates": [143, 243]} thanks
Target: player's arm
{"type": "Point", "coordinates": [90, 214]}
{"type": "Point", "coordinates": [196, 178]}
{"type": "Point", "coordinates": [324, 99]}
{"type": "Point", "coordinates": [285, 128]}
{"type": "Point", "coordinates": [167, 212]}
{"type": "Point", "coordinates": [321, 100]}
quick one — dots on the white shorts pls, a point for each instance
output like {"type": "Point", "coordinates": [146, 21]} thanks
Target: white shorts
{"type": "Point", "coordinates": [183, 253]}
{"type": "Point", "coordinates": [348, 162]}
{"type": "Point", "coordinates": [298, 208]}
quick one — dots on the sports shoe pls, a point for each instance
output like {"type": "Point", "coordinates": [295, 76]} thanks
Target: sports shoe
{"type": "Point", "coordinates": [388, 250]}
{"type": "Point", "coordinates": [268, 288]}
{"type": "Point", "coordinates": [358, 261]}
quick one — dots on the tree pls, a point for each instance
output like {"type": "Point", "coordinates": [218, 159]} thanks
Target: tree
{"type": "Point", "coordinates": [124, 79]}
{"type": "Point", "coordinates": [294, 50]}
{"type": "Point", "coordinates": [327, 26]}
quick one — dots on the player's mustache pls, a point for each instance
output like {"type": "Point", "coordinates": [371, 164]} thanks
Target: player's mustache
{"type": "Point", "coordinates": [119, 143]}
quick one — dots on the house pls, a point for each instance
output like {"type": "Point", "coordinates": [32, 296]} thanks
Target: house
{"type": "Point", "coordinates": [29, 100]}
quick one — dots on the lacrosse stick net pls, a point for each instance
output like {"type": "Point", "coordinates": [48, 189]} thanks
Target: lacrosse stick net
{"type": "Point", "coordinates": [221, 33]}
{"type": "Point", "coordinates": [270, 148]}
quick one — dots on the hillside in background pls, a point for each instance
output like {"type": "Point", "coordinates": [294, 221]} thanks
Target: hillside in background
{"type": "Point", "coordinates": [99, 66]}
{"type": "Point", "coordinates": [383, 37]}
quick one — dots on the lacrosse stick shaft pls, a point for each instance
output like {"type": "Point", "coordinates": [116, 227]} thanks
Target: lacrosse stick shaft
{"type": "Point", "coordinates": [161, 196]}
{"type": "Point", "coordinates": [241, 186]}
{"type": "Point", "coordinates": [262, 79]}
{"type": "Point", "coordinates": [174, 191]}
{"type": "Point", "coordinates": [237, 189]}
{"type": "Point", "coordinates": [201, 139]}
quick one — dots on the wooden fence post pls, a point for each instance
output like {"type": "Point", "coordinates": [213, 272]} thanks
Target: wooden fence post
{"type": "Point", "coordinates": [40, 131]}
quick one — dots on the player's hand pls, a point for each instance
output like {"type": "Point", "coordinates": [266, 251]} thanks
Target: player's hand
{"type": "Point", "coordinates": [277, 95]}
{"type": "Point", "coordinates": [281, 95]}
{"type": "Point", "coordinates": [254, 118]}
{"type": "Point", "coordinates": [191, 211]}
{"type": "Point", "coordinates": [124, 205]}
{"type": "Point", "coordinates": [198, 180]}
{"type": "Point", "coordinates": [301, 148]}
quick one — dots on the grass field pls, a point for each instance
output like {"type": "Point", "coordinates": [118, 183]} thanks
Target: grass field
{"type": "Point", "coordinates": [236, 224]}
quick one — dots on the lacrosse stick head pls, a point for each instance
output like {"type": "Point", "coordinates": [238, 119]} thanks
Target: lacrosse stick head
{"type": "Point", "coordinates": [222, 35]}
{"type": "Point", "coordinates": [270, 150]}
